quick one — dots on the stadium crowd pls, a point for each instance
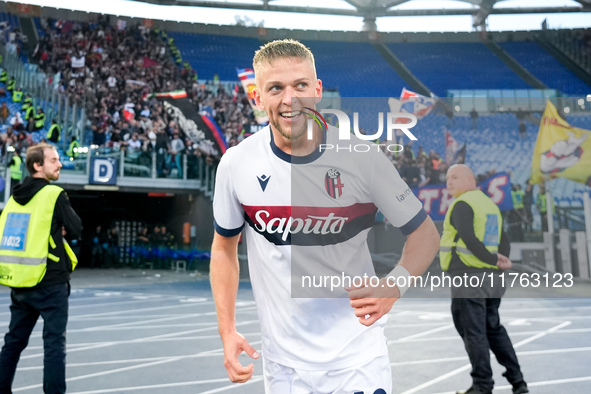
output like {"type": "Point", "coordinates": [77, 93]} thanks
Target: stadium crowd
{"type": "Point", "coordinates": [112, 70]}
{"type": "Point", "coordinates": [12, 38]}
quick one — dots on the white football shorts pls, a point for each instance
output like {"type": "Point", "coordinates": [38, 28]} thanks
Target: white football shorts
{"type": "Point", "coordinates": [373, 377]}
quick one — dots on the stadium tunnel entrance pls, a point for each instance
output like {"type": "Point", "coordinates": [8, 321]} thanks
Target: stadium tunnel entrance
{"type": "Point", "coordinates": [188, 217]}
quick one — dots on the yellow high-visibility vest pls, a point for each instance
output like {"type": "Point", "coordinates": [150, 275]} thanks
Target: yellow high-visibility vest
{"type": "Point", "coordinates": [15, 170]}
{"type": "Point", "coordinates": [517, 196]}
{"type": "Point", "coordinates": [17, 96]}
{"type": "Point", "coordinates": [27, 102]}
{"type": "Point", "coordinates": [39, 120]}
{"type": "Point", "coordinates": [488, 225]}
{"type": "Point", "coordinates": [54, 128]}
{"type": "Point", "coordinates": [25, 239]}
{"type": "Point", "coordinates": [73, 145]}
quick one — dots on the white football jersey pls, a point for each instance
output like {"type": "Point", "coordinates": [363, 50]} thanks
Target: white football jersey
{"type": "Point", "coordinates": [306, 219]}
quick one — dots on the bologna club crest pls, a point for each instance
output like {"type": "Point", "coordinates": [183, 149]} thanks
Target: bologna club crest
{"type": "Point", "coordinates": [334, 185]}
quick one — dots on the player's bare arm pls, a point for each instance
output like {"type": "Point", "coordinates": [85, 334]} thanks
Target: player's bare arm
{"type": "Point", "coordinates": [224, 275]}
{"type": "Point", "coordinates": [371, 303]}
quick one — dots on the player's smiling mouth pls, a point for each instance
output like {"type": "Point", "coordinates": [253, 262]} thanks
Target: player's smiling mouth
{"type": "Point", "coordinates": [290, 115]}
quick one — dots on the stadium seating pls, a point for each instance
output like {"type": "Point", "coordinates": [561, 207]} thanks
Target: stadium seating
{"type": "Point", "coordinates": [358, 70]}
{"type": "Point", "coordinates": [10, 18]}
{"type": "Point", "coordinates": [38, 27]}
{"type": "Point", "coordinates": [546, 68]}
{"type": "Point", "coordinates": [445, 66]}
{"type": "Point", "coordinates": [355, 69]}
{"type": "Point", "coordinates": [215, 54]}
{"type": "Point", "coordinates": [496, 145]}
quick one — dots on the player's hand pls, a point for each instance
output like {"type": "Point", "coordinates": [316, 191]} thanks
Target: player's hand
{"type": "Point", "coordinates": [370, 303]}
{"type": "Point", "coordinates": [234, 345]}
{"type": "Point", "coordinates": [503, 262]}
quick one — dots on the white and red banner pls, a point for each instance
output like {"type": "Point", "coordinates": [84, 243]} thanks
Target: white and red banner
{"type": "Point", "coordinates": [436, 200]}
{"type": "Point", "coordinates": [412, 103]}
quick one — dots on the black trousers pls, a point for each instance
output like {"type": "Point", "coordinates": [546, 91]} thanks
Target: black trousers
{"type": "Point", "coordinates": [478, 323]}
{"type": "Point", "coordinates": [51, 303]}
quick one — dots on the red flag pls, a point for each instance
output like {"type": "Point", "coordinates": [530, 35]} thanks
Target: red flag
{"type": "Point", "coordinates": [149, 62]}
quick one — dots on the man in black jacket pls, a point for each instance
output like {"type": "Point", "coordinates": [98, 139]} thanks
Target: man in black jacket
{"type": "Point", "coordinates": [474, 245]}
{"type": "Point", "coordinates": [49, 298]}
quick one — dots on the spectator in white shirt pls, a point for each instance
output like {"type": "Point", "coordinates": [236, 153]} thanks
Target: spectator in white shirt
{"type": "Point", "coordinates": [177, 147]}
{"type": "Point", "coordinates": [112, 81]}
{"type": "Point", "coordinates": [134, 143]}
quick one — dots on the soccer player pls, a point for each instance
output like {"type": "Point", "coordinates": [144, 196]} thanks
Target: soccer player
{"type": "Point", "coordinates": [307, 209]}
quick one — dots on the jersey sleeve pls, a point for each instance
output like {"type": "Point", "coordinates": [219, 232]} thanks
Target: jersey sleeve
{"type": "Point", "coordinates": [393, 197]}
{"type": "Point", "coordinates": [228, 213]}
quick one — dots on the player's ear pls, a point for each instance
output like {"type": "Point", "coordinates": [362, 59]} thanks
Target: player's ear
{"type": "Point", "coordinates": [318, 91]}
{"type": "Point", "coordinates": [258, 99]}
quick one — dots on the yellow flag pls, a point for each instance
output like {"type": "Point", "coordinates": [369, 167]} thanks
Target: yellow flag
{"type": "Point", "coordinates": [561, 150]}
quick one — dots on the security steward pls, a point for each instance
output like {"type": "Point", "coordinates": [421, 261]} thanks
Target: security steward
{"type": "Point", "coordinates": [17, 95]}
{"type": "Point", "coordinates": [27, 103]}
{"type": "Point", "coordinates": [517, 215]}
{"type": "Point", "coordinates": [15, 166]}
{"type": "Point", "coordinates": [517, 195]}
{"type": "Point", "coordinates": [542, 206]}
{"type": "Point", "coordinates": [30, 112]}
{"type": "Point", "coordinates": [36, 262]}
{"type": "Point", "coordinates": [73, 148]}
{"type": "Point", "coordinates": [54, 132]}
{"type": "Point", "coordinates": [11, 84]}
{"type": "Point", "coordinates": [474, 245]}
{"type": "Point", "coordinates": [39, 119]}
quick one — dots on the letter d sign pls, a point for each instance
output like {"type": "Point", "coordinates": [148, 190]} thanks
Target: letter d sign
{"type": "Point", "coordinates": [103, 171]}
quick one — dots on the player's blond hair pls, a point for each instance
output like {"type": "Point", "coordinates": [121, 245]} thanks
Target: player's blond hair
{"type": "Point", "coordinates": [281, 49]}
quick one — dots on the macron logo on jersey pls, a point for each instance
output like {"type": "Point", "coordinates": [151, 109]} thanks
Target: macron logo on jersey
{"type": "Point", "coordinates": [263, 180]}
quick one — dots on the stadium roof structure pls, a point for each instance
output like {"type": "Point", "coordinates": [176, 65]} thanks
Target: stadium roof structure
{"type": "Point", "coordinates": [369, 10]}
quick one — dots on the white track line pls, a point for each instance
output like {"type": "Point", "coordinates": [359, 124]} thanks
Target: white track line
{"type": "Point", "coordinates": [422, 334]}
{"type": "Point", "coordinates": [234, 386]}
{"type": "Point", "coordinates": [465, 358]}
{"type": "Point", "coordinates": [542, 383]}
{"type": "Point", "coordinates": [138, 340]}
{"type": "Point", "coordinates": [254, 379]}
{"type": "Point", "coordinates": [468, 366]}
{"type": "Point", "coordinates": [156, 386]}
{"type": "Point", "coordinates": [129, 368]}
